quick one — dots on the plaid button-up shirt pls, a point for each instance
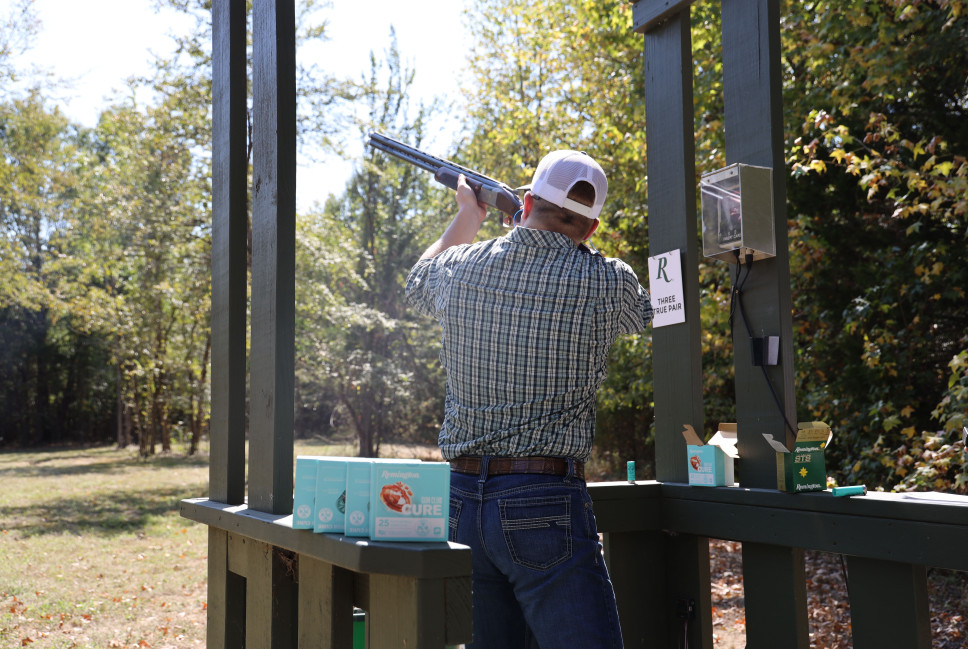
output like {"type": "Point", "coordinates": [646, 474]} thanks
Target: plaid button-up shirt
{"type": "Point", "coordinates": [528, 320]}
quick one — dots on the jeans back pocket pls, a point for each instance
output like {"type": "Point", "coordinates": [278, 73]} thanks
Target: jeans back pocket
{"type": "Point", "coordinates": [454, 517]}
{"type": "Point", "coordinates": [537, 530]}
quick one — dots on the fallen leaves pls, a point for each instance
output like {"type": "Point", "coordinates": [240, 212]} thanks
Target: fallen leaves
{"type": "Point", "coordinates": [828, 608]}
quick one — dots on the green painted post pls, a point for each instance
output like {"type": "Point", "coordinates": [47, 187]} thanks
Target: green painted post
{"type": "Point", "coordinates": [676, 349]}
{"type": "Point", "coordinates": [776, 611]}
{"type": "Point", "coordinates": [226, 590]}
{"type": "Point", "coordinates": [229, 272]}
{"type": "Point", "coordinates": [273, 256]}
{"type": "Point", "coordinates": [889, 604]}
{"type": "Point", "coordinates": [752, 94]}
{"type": "Point", "coordinates": [682, 563]}
{"type": "Point", "coordinates": [775, 594]}
{"type": "Point", "coordinates": [637, 566]}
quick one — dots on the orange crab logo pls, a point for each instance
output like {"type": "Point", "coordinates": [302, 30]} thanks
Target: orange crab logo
{"type": "Point", "coordinates": [396, 496]}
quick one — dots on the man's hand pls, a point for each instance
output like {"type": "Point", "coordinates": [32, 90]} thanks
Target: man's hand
{"type": "Point", "coordinates": [464, 227]}
{"type": "Point", "coordinates": [467, 203]}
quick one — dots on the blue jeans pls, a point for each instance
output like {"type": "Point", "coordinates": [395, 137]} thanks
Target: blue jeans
{"type": "Point", "coordinates": [539, 577]}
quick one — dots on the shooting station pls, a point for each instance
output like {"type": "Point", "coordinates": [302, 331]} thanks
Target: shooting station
{"type": "Point", "coordinates": [273, 586]}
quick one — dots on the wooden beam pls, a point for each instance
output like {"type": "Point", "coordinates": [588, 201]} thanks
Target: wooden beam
{"type": "Point", "coordinates": [888, 604]}
{"type": "Point", "coordinates": [637, 564]}
{"type": "Point", "coordinates": [424, 560]}
{"type": "Point", "coordinates": [229, 258]}
{"type": "Point", "coordinates": [754, 135]}
{"type": "Point", "coordinates": [226, 596]}
{"type": "Point", "coordinates": [649, 14]}
{"type": "Point", "coordinates": [406, 612]}
{"type": "Point", "coordinates": [273, 256]}
{"type": "Point", "coordinates": [926, 529]}
{"type": "Point", "coordinates": [676, 349]}
{"type": "Point", "coordinates": [460, 612]}
{"type": "Point", "coordinates": [688, 584]}
{"type": "Point", "coordinates": [325, 605]}
{"type": "Point", "coordinates": [775, 594]}
{"type": "Point", "coordinates": [270, 621]}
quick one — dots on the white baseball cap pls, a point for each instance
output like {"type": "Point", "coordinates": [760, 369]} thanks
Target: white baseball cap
{"type": "Point", "coordinates": [557, 174]}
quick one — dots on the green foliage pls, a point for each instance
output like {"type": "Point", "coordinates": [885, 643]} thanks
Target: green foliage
{"type": "Point", "coordinates": [366, 363]}
{"type": "Point", "coordinates": [105, 247]}
{"type": "Point", "coordinates": [876, 92]}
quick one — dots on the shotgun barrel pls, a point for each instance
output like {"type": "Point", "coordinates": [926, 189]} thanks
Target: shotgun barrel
{"type": "Point", "coordinates": [489, 191]}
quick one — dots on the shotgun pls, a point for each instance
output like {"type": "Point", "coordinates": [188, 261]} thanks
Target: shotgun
{"type": "Point", "coordinates": [489, 191]}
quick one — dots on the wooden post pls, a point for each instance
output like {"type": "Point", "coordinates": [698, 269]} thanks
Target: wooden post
{"type": "Point", "coordinates": [888, 604]}
{"type": "Point", "coordinates": [637, 567]}
{"type": "Point", "coordinates": [226, 596]}
{"type": "Point", "coordinates": [775, 594]}
{"type": "Point", "coordinates": [325, 605]}
{"type": "Point", "coordinates": [226, 590]}
{"type": "Point", "coordinates": [273, 256]}
{"type": "Point", "coordinates": [776, 611]}
{"type": "Point", "coordinates": [676, 349]}
{"type": "Point", "coordinates": [752, 94]}
{"type": "Point", "coordinates": [229, 219]}
{"type": "Point", "coordinates": [403, 612]}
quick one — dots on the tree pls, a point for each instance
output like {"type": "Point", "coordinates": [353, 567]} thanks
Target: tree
{"type": "Point", "coordinates": [44, 336]}
{"type": "Point", "coordinates": [878, 152]}
{"type": "Point", "coordinates": [358, 344]}
{"type": "Point", "coordinates": [105, 249]}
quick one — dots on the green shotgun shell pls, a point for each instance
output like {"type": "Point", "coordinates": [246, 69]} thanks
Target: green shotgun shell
{"type": "Point", "coordinates": [855, 490]}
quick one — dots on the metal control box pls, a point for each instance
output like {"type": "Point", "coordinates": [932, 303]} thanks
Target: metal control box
{"type": "Point", "coordinates": [737, 213]}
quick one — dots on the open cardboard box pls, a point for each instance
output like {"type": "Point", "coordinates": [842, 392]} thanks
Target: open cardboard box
{"type": "Point", "coordinates": [803, 468]}
{"type": "Point", "coordinates": [711, 464]}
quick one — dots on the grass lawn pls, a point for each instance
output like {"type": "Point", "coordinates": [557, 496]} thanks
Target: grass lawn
{"type": "Point", "coordinates": [93, 553]}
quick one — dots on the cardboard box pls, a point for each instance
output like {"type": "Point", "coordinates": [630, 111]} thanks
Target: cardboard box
{"type": "Point", "coordinates": [711, 464]}
{"type": "Point", "coordinates": [803, 468]}
{"type": "Point", "coordinates": [409, 501]}
{"type": "Point", "coordinates": [304, 492]}
{"type": "Point", "coordinates": [329, 512]}
{"type": "Point", "coordinates": [357, 520]}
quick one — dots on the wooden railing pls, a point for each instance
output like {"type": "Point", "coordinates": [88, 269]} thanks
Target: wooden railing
{"type": "Point", "coordinates": [273, 586]}
{"type": "Point", "coordinates": [656, 543]}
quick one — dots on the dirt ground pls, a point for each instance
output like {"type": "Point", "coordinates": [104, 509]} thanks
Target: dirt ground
{"type": "Point", "coordinates": [829, 610]}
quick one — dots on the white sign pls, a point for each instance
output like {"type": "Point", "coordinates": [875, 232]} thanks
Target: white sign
{"type": "Point", "coordinates": [665, 286]}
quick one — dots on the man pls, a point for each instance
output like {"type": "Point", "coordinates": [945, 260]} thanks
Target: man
{"type": "Point", "coordinates": [528, 320]}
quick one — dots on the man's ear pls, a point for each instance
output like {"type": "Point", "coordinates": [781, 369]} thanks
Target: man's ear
{"type": "Point", "coordinates": [591, 230]}
{"type": "Point", "coordinates": [528, 206]}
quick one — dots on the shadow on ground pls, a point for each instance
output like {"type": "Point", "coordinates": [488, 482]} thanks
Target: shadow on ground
{"type": "Point", "coordinates": [102, 514]}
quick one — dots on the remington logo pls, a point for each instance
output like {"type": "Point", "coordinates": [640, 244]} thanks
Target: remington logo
{"type": "Point", "coordinates": [401, 475]}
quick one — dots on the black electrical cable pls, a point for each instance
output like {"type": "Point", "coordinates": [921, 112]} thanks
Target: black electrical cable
{"type": "Point", "coordinates": [843, 571]}
{"type": "Point", "coordinates": [738, 297]}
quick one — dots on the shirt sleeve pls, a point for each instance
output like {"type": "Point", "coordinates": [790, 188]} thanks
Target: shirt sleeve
{"type": "Point", "coordinates": [636, 304]}
{"type": "Point", "coordinates": [424, 286]}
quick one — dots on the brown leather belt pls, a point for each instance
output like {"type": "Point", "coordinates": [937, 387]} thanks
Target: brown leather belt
{"type": "Point", "coordinates": [507, 465]}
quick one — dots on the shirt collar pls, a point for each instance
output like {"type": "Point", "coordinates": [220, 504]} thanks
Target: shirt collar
{"type": "Point", "coordinates": [540, 238]}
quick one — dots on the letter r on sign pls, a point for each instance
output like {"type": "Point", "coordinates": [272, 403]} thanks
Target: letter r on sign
{"type": "Point", "coordinates": [661, 273]}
